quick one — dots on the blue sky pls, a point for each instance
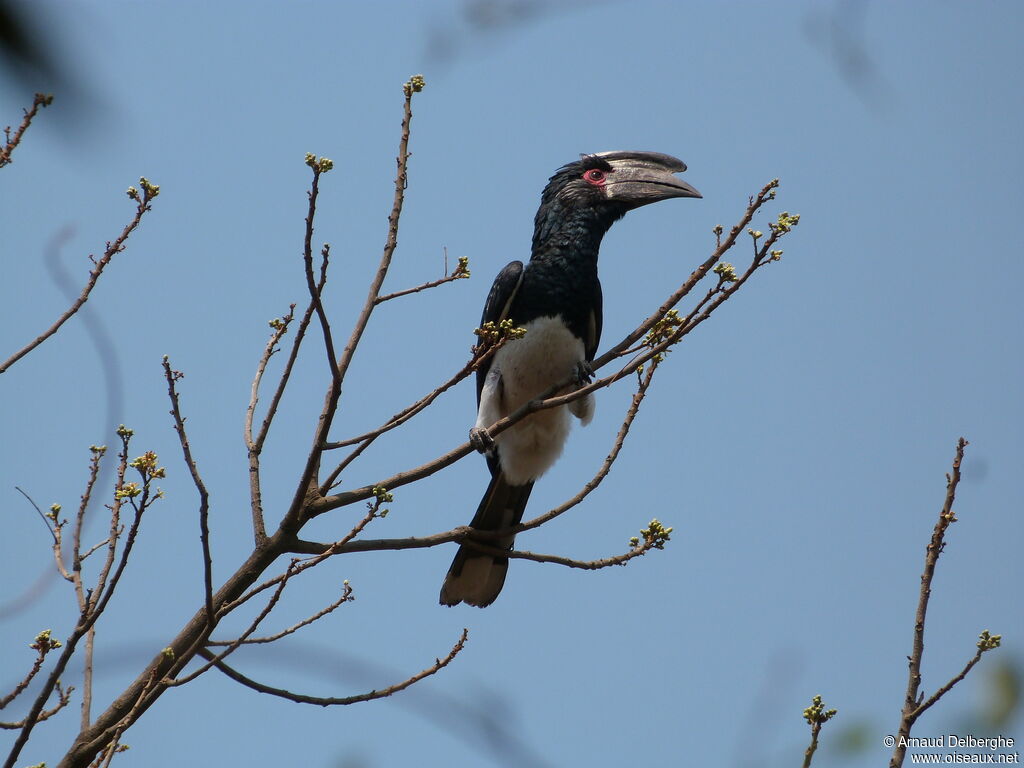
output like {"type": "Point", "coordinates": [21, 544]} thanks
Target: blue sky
{"type": "Point", "coordinates": [797, 442]}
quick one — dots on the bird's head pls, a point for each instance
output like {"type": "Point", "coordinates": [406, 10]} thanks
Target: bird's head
{"type": "Point", "coordinates": [601, 188]}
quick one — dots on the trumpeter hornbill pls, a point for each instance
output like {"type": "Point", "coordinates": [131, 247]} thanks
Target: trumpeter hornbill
{"type": "Point", "coordinates": [557, 298]}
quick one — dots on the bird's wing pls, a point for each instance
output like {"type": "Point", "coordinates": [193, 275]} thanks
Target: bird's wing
{"type": "Point", "coordinates": [594, 326]}
{"type": "Point", "coordinates": [499, 303]}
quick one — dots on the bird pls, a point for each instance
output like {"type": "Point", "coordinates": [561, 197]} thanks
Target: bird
{"type": "Point", "coordinates": [557, 298]}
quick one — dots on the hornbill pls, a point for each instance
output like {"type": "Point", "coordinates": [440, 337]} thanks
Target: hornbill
{"type": "Point", "coordinates": [556, 297]}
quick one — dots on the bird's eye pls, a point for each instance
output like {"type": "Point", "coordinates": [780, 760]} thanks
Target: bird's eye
{"type": "Point", "coordinates": [594, 176]}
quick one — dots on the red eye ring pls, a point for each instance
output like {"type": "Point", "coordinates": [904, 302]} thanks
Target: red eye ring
{"type": "Point", "coordinates": [594, 176]}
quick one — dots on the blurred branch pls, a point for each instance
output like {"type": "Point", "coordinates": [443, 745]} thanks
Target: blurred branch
{"type": "Point", "coordinates": [149, 191]}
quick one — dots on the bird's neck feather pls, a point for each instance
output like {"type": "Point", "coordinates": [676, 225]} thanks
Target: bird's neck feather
{"type": "Point", "coordinates": [571, 232]}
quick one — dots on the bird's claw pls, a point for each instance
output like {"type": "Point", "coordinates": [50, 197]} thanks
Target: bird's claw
{"type": "Point", "coordinates": [584, 373]}
{"type": "Point", "coordinates": [481, 439]}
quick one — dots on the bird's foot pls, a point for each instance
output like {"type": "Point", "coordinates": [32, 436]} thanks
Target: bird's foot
{"type": "Point", "coordinates": [481, 439]}
{"type": "Point", "coordinates": [584, 373]}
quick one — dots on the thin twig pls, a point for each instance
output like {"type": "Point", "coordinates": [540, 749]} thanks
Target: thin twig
{"type": "Point", "coordinates": [366, 440]}
{"type": "Point", "coordinates": [913, 703]}
{"type": "Point", "coordinates": [255, 446]}
{"type": "Point", "coordinates": [390, 244]}
{"type": "Point", "coordinates": [42, 645]}
{"type": "Point", "coordinates": [280, 327]}
{"type": "Point", "coordinates": [816, 716]}
{"type": "Point", "coordinates": [149, 191]}
{"type": "Point", "coordinates": [237, 642]}
{"type": "Point", "coordinates": [327, 701]}
{"type": "Point", "coordinates": [204, 497]}
{"type": "Point", "coordinates": [328, 550]}
{"type": "Point", "coordinates": [461, 272]}
{"type": "Point", "coordinates": [306, 491]}
{"type": "Point", "coordinates": [11, 142]}
{"type": "Point", "coordinates": [63, 699]}
{"type": "Point", "coordinates": [638, 550]}
{"type": "Point", "coordinates": [982, 648]}
{"type": "Point", "coordinates": [606, 466]}
{"type": "Point", "coordinates": [346, 596]}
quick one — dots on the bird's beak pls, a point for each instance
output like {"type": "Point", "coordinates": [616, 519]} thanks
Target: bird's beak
{"type": "Point", "coordinates": [641, 184]}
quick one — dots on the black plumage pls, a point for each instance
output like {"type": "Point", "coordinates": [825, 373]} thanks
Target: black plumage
{"type": "Point", "coordinates": [557, 298]}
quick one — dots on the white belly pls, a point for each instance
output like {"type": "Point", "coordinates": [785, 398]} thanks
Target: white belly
{"type": "Point", "coordinates": [521, 371]}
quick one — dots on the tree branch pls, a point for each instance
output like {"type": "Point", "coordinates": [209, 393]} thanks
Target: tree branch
{"type": "Point", "coordinates": [346, 596]}
{"type": "Point", "coordinates": [149, 191]}
{"type": "Point", "coordinates": [204, 497]}
{"type": "Point", "coordinates": [280, 326]}
{"type": "Point", "coordinates": [327, 701]}
{"type": "Point", "coordinates": [461, 272]}
{"type": "Point", "coordinates": [11, 142]}
{"type": "Point", "coordinates": [913, 702]}
{"type": "Point", "coordinates": [307, 490]}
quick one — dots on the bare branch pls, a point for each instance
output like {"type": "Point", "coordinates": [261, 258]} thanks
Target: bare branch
{"type": "Point", "coordinates": [654, 537]}
{"type": "Point", "coordinates": [149, 191]}
{"type": "Point", "coordinates": [307, 487]}
{"type": "Point", "coordinates": [204, 497]}
{"type": "Point", "coordinates": [602, 473]}
{"type": "Point", "coordinates": [327, 701]}
{"type": "Point", "coordinates": [326, 551]}
{"type": "Point", "coordinates": [234, 644]}
{"type": "Point", "coordinates": [84, 598]}
{"type": "Point", "coordinates": [461, 272]}
{"type": "Point", "coordinates": [986, 642]}
{"type": "Point", "coordinates": [300, 333]}
{"type": "Point", "coordinates": [391, 243]}
{"type": "Point", "coordinates": [400, 418]}
{"type": "Point", "coordinates": [767, 193]}
{"type": "Point", "coordinates": [63, 699]}
{"type": "Point", "coordinates": [41, 100]}
{"type": "Point", "coordinates": [346, 596]}
{"type": "Point", "coordinates": [913, 703]}
{"type": "Point", "coordinates": [816, 716]}
{"type": "Point", "coordinates": [255, 446]}
{"type": "Point", "coordinates": [280, 326]}
{"type": "Point", "coordinates": [42, 645]}
{"type": "Point", "coordinates": [320, 166]}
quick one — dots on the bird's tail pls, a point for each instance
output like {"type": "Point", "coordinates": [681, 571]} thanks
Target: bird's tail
{"type": "Point", "coordinates": [474, 577]}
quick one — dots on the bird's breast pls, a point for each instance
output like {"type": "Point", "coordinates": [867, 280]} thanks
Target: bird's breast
{"type": "Point", "coordinates": [527, 367]}
{"type": "Point", "coordinates": [546, 355]}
